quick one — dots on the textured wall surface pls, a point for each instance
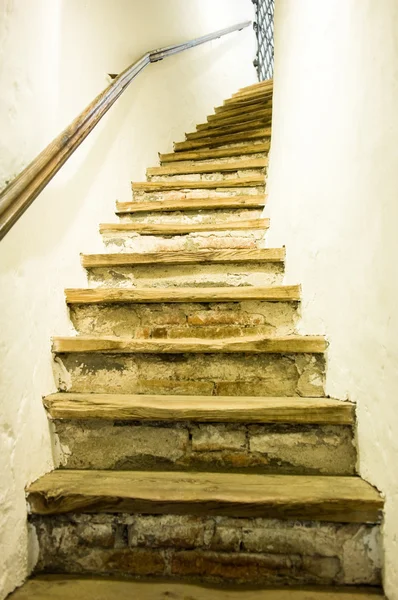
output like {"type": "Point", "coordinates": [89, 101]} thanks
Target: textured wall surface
{"type": "Point", "coordinates": [54, 59]}
{"type": "Point", "coordinates": [333, 201]}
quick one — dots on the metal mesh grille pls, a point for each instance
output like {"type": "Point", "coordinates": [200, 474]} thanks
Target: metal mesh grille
{"type": "Point", "coordinates": [264, 28]}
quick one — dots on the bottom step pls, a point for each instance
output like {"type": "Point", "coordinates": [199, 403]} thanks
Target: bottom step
{"type": "Point", "coordinates": [55, 587]}
{"type": "Point", "coordinates": [213, 527]}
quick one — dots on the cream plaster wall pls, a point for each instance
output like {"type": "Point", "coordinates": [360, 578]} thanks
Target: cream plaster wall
{"type": "Point", "coordinates": [333, 187]}
{"type": "Point", "coordinates": [54, 57]}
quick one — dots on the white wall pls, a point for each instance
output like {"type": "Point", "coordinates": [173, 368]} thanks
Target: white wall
{"type": "Point", "coordinates": [333, 186]}
{"type": "Point", "coordinates": [54, 57]}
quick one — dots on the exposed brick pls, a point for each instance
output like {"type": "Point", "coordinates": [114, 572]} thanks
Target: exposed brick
{"type": "Point", "coordinates": [210, 438]}
{"type": "Point", "coordinates": [177, 531]}
{"type": "Point", "coordinates": [96, 534]}
{"type": "Point", "coordinates": [134, 561]}
{"type": "Point", "coordinates": [255, 567]}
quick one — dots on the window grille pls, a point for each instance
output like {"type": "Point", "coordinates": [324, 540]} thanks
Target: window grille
{"type": "Point", "coordinates": [264, 28]}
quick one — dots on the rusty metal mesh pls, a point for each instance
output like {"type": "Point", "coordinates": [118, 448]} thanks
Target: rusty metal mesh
{"type": "Point", "coordinates": [264, 28]}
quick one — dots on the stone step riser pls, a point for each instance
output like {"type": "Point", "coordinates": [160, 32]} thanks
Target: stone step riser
{"type": "Point", "coordinates": [194, 216]}
{"type": "Point", "coordinates": [145, 196]}
{"type": "Point", "coordinates": [174, 320]}
{"type": "Point", "coordinates": [194, 374]}
{"type": "Point", "coordinates": [212, 549]}
{"type": "Point", "coordinates": [133, 242]}
{"type": "Point", "coordinates": [280, 448]}
{"type": "Point", "coordinates": [214, 176]}
{"type": "Point", "coordinates": [188, 275]}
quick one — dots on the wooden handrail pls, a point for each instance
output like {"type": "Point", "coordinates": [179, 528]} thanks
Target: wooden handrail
{"type": "Point", "coordinates": [22, 191]}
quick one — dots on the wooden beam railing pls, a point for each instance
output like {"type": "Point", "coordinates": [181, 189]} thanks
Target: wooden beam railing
{"type": "Point", "coordinates": [23, 190]}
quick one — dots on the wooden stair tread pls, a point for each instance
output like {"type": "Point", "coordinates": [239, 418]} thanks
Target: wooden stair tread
{"type": "Point", "coordinates": [284, 293]}
{"type": "Point", "coordinates": [72, 587]}
{"type": "Point", "coordinates": [262, 87]}
{"type": "Point", "coordinates": [342, 499]}
{"type": "Point", "coordinates": [246, 102]}
{"type": "Point", "coordinates": [234, 138]}
{"type": "Point", "coordinates": [250, 115]}
{"type": "Point", "coordinates": [184, 257]}
{"type": "Point", "coordinates": [222, 130]}
{"type": "Point", "coordinates": [183, 228]}
{"type": "Point", "coordinates": [214, 409]}
{"type": "Point", "coordinates": [192, 204]}
{"type": "Point", "coordinates": [267, 83]}
{"type": "Point", "coordinates": [244, 97]}
{"type": "Point", "coordinates": [290, 344]}
{"type": "Point", "coordinates": [200, 184]}
{"type": "Point", "coordinates": [217, 120]}
{"type": "Point", "coordinates": [249, 108]}
{"type": "Point", "coordinates": [193, 168]}
{"type": "Point", "coordinates": [255, 148]}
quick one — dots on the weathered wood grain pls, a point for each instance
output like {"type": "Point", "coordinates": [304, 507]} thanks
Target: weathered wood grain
{"type": "Point", "coordinates": [179, 257]}
{"type": "Point", "coordinates": [189, 204]}
{"type": "Point", "coordinates": [219, 409]}
{"type": "Point", "coordinates": [292, 344]}
{"type": "Point", "coordinates": [249, 96]}
{"type": "Point", "coordinates": [183, 228]}
{"type": "Point", "coordinates": [197, 167]}
{"type": "Point", "coordinates": [341, 499]}
{"type": "Point", "coordinates": [230, 110]}
{"type": "Point", "coordinates": [244, 94]}
{"type": "Point", "coordinates": [222, 130]}
{"type": "Point", "coordinates": [63, 587]}
{"type": "Point", "coordinates": [199, 184]}
{"type": "Point", "coordinates": [277, 293]}
{"type": "Point", "coordinates": [254, 148]}
{"type": "Point", "coordinates": [225, 121]}
{"type": "Point", "coordinates": [259, 85]}
{"type": "Point", "coordinates": [223, 140]}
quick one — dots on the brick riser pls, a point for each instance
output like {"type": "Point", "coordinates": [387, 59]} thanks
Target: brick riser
{"type": "Point", "coordinates": [213, 549]}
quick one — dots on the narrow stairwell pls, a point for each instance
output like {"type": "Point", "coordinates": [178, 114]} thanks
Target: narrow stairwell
{"type": "Point", "coordinates": [195, 440]}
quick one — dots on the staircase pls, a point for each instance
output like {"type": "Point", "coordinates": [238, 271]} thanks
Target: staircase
{"type": "Point", "coordinates": [194, 437]}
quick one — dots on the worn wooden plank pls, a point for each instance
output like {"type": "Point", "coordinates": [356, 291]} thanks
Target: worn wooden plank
{"type": "Point", "coordinates": [198, 167]}
{"type": "Point", "coordinates": [218, 409]}
{"type": "Point", "coordinates": [341, 499]}
{"type": "Point", "coordinates": [183, 228]}
{"type": "Point", "coordinates": [253, 344]}
{"type": "Point", "coordinates": [189, 204]}
{"type": "Point", "coordinates": [259, 85]}
{"type": "Point", "coordinates": [254, 148]}
{"type": "Point", "coordinates": [249, 97]}
{"type": "Point", "coordinates": [275, 293]}
{"type": "Point", "coordinates": [234, 138]}
{"type": "Point", "coordinates": [72, 587]}
{"type": "Point", "coordinates": [230, 110]}
{"type": "Point", "coordinates": [255, 91]}
{"type": "Point", "coordinates": [185, 257]}
{"type": "Point", "coordinates": [240, 119]}
{"type": "Point", "coordinates": [244, 103]}
{"type": "Point", "coordinates": [222, 130]}
{"type": "Point", "coordinates": [199, 184]}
